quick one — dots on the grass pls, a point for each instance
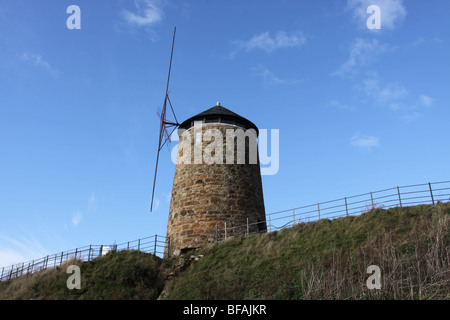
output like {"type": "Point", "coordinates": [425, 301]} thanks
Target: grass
{"type": "Point", "coordinates": [327, 259]}
{"type": "Point", "coordinates": [122, 275]}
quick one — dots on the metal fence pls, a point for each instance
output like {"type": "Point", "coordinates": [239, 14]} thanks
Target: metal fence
{"type": "Point", "coordinates": [153, 244]}
{"type": "Point", "coordinates": [400, 196]}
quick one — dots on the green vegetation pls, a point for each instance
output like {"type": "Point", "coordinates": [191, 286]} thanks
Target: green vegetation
{"type": "Point", "coordinates": [118, 275]}
{"type": "Point", "coordinates": [327, 259]}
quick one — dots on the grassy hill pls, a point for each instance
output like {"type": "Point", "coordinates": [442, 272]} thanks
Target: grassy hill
{"type": "Point", "coordinates": [327, 259]}
{"type": "Point", "coordinates": [121, 275]}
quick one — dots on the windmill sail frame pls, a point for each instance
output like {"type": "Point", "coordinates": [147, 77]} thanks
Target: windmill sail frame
{"type": "Point", "coordinates": [164, 135]}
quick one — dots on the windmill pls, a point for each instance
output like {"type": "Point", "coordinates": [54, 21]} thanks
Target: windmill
{"type": "Point", "coordinates": [165, 125]}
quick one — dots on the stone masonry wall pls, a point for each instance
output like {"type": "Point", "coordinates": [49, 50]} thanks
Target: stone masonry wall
{"type": "Point", "coordinates": [205, 196]}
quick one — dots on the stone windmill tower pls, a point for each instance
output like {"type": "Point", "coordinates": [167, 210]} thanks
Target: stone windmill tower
{"type": "Point", "coordinates": [217, 183]}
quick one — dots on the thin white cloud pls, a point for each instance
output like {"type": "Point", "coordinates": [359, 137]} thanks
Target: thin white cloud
{"type": "Point", "coordinates": [414, 111]}
{"type": "Point", "coordinates": [361, 53]}
{"type": "Point", "coordinates": [36, 59]}
{"type": "Point", "coordinates": [9, 257]}
{"type": "Point", "coordinates": [148, 13]}
{"type": "Point", "coordinates": [341, 106]}
{"type": "Point", "coordinates": [392, 91]}
{"type": "Point", "coordinates": [360, 141]}
{"type": "Point", "coordinates": [77, 216]}
{"type": "Point", "coordinates": [266, 42]}
{"type": "Point", "coordinates": [156, 204]}
{"type": "Point", "coordinates": [410, 117]}
{"type": "Point", "coordinates": [39, 62]}
{"type": "Point", "coordinates": [396, 97]}
{"type": "Point", "coordinates": [392, 12]}
{"type": "Point", "coordinates": [388, 93]}
{"type": "Point", "coordinates": [426, 100]}
{"type": "Point", "coordinates": [420, 40]}
{"type": "Point", "coordinates": [269, 78]}
{"type": "Point", "coordinates": [92, 202]}
{"type": "Point", "coordinates": [21, 249]}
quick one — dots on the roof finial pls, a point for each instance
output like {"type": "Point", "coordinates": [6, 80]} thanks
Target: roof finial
{"type": "Point", "coordinates": [218, 103]}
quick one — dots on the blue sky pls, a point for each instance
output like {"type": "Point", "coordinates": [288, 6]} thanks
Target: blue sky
{"type": "Point", "coordinates": [357, 109]}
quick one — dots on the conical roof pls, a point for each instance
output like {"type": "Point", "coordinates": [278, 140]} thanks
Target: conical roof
{"type": "Point", "coordinates": [219, 114]}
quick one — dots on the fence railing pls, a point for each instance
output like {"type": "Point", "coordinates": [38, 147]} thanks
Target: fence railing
{"type": "Point", "coordinates": [154, 244]}
{"type": "Point", "coordinates": [400, 196]}
{"type": "Point", "coordinates": [426, 193]}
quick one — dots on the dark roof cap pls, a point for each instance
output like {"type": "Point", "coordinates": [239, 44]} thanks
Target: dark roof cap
{"type": "Point", "coordinates": [220, 114]}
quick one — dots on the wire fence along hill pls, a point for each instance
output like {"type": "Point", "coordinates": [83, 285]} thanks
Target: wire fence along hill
{"type": "Point", "coordinates": [153, 244]}
{"type": "Point", "coordinates": [400, 196]}
{"type": "Point", "coordinates": [426, 193]}
{"type": "Point", "coordinates": [404, 196]}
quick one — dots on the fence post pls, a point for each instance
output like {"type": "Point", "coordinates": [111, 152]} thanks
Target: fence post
{"type": "Point", "coordinates": [431, 192]}
{"type": "Point", "coordinates": [318, 209]}
{"type": "Point", "coordinates": [294, 216]}
{"type": "Point", "coordinates": [101, 250]}
{"type": "Point", "coordinates": [399, 198]}
{"type": "Point", "coordinates": [346, 208]}
{"type": "Point", "coordinates": [89, 254]}
{"type": "Point", "coordinates": [247, 228]}
{"type": "Point", "coordinates": [371, 199]}
{"type": "Point", "coordinates": [139, 244]}
{"type": "Point", "coordinates": [156, 239]}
